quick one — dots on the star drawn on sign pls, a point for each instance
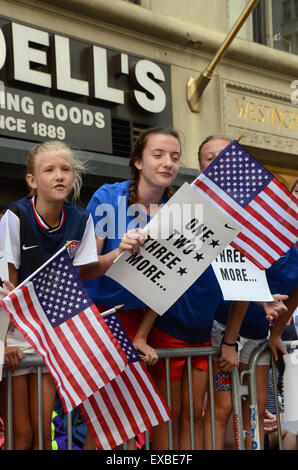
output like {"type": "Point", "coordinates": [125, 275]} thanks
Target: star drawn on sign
{"type": "Point", "coordinates": [198, 256]}
{"type": "Point", "coordinates": [214, 243]}
{"type": "Point", "coordinates": [182, 271]}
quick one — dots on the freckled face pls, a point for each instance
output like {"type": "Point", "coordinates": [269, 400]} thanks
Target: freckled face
{"type": "Point", "coordinates": [210, 150]}
{"type": "Point", "coordinates": [159, 163]}
{"type": "Point", "coordinates": [53, 177]}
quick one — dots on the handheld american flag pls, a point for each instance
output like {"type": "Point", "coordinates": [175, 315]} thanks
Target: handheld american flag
{"type": "Point", "coordinates": [54, 312]}
{"type": "Point", "coordinates": [129, 405]}
{"type": "Point", "coordinates": [267, 212]}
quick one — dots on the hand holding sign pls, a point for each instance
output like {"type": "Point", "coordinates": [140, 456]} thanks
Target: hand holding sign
{"type": "Point", "coordinates": [132, 240]}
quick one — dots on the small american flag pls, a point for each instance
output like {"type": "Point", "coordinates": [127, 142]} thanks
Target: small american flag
{"type": "Point", "coordinates": [54, 312]}
{"type": "Point", "coordinates": [267, 212]}
{"type": "Point", "coordinates": [127, 406]}
{"type": "Point", "coordinates": [113, 322]}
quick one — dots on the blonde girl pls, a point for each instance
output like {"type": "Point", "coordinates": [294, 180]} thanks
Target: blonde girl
{"type": "Point", "coordinates": [31, 231]}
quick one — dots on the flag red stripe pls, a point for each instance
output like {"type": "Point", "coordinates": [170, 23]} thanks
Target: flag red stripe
{"type": "Point", "coordinates": [91, 427]}
{"type": "Point", "coordinates": [65, 370]}
{"type": "Point", "coordinates": [112, 338]}
{"type": "Point", "coordinates": [100, 418]}
{"type": "Point", "coordinates": [138, 403]}
{"type": "Point", "coordinates": [249, 256]}
{"type": "Point", "coordinates": [48, 361]}
{"type": "Point", "coordinates": [124, 396]}
{"type": "Point", "coordinates": [141, 377]}
{"type": "Point", "coordinates": [270, 227]}
{"type": "Point", "coordinates": [129, 397]}
{"type": "Point", "coordinates": [113, 411]}
{"type": "Point", "coordinates": [90, 354]}
{"type": "Point", "coordinates": [104, 326]}
{"type": "Point", "coordinates": [72, 352]}
{"type": "Point", "coordinates": [106, 353]}
{"type": "Point", "coordinates": [239, 218]}
{"type": "Point", "coordinates": [256, 247]}
{"type": "Point", "coordinates": [88, 325]}
{"type": "Point", "coordinates": [280, 201]}
{"type": "Point", "coordinates": [276, 216]}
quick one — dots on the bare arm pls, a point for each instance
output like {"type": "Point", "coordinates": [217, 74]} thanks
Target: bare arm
{"type": "Point", "coordinates": [131, 241]}
{"type": "Point", "coordinates": [12, 355]}
{"type": "Point", "coordinates": [229, 357]}
{"type": "Point", "coordinates": [94, 270]}
{"type": "Point", "coordinates": [140, 338]}
{"type": "Point", "coordinates": [275, 343]}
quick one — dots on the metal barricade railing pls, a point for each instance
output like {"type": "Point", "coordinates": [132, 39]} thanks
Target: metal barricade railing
{"type": "Point", "coordinates": [167, 354]}
{"type": "Point", "coordinates": [209, 351]}
{"type": "Point", "coordinates": [253, 394]}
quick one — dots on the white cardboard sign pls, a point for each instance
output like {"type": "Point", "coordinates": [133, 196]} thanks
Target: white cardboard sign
{"type": "Point", "coordinates": [184, 237]}
{"type": "Point", "coordinates": [239, 278]}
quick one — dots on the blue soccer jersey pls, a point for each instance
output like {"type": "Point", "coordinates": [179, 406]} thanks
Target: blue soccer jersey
{"type": "Point", "coordinates": [28, 241]}
{"type": "Point", "coordinates": [112, 218]}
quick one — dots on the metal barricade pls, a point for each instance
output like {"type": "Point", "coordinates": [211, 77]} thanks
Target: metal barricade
{"type": "Point", "coordinates": [209, 351]}
{"type": "Point", "coordinates": [37, 362]}
{"type": "Point", "coordinates": [253, 395]}
{"type": "Point", "coordinates": [167, 354]}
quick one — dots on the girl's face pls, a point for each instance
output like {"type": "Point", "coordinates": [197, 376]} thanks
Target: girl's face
{"type": "Point", "coordinates": [295, 191]}
{"type": "Point", "coordinates": [53, 177]}
{"type": "Point", "coordinates": [210, 150]}
{"type": "Point", "coordinates": [159, 163]}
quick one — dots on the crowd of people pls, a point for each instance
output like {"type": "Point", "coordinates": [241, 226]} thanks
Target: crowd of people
{"type": "Point", "coordinates": [45, 219]}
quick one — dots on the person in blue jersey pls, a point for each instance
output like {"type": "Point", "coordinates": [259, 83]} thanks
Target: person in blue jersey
{"type": "Point", "coordinates": [282, 277]}
{"type": "Point", "coordinates": [187, 323]}
{"type": "Point", "coordinates": [120, 211]}
{"type": "Point", "coordinates": [31, 231]}
{"type": "Point", "coordinates": [253, 328]}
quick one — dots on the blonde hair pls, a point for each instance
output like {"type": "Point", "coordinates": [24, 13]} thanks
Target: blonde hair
{"type": "Point", "coordinates": [57, 147]}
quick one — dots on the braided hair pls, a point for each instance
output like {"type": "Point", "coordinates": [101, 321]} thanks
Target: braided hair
{"type": "Point", "coordinates": [136, 155]}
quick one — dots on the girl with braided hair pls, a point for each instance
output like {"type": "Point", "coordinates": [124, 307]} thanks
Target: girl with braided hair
{"type": "Point", "coordinates": [121, 210]}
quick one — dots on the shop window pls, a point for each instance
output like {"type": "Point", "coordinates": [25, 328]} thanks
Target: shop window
{"type": "Point", "coordinates": [287, 10]}
{"type": "Point", "coordinates": [274, 24]}
{"type": "Point", "coordinates": [124, 133]}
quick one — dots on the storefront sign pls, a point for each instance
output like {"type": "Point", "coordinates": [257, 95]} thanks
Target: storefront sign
{"type": "Point", "coordinates": [265, 119]}
{"type": "Point", "coordinates": [56, 87]}
{"type": "Point", "coordinates": [32, 116]}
